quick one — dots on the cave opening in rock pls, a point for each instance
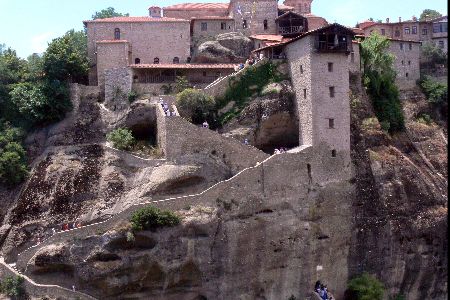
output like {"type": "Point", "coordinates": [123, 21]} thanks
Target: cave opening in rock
{"type": "Point", "coordinates": [276, 133]}
{"type": "Point", "coordinates": [145, 132]}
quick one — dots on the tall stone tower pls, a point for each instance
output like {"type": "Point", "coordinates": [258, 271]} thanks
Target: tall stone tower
{"type": "Point", "coordinates": [254, 16]}
{"type": "Point", "coordinates": [301, 6]}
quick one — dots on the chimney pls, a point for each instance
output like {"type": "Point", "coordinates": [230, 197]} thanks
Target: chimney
{"type": "Point", "coordinates": [387, 20]}
{"type": "Point", "coordinates": [414, 18]}
{"type": "Point", "coordinates": [154, 11]}
{"type": "Point", "coordinates": [399, 19]}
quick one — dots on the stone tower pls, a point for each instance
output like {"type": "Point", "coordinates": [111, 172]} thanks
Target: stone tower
{"type": "Point", "coordinates": [301, 6]}
{"type": "Point", "coordinates": [254, 17]}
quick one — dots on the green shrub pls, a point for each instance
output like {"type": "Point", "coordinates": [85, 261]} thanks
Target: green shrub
{"type": "Point", "coordinates": [181, 83]}
{"type": "Point", "coordinates": [12, 286]}
{"type": "Point", "coordinates": [13, 167]}
{"type": "Point", "coordinates": [425, 119]}
{"type": "Point", "coordinates": [167, 89]}
{"type": "Point", "coordinates": [385, 125]}
{"type": "Point", "coordinates": [132, 96]}
{"type": "Point", "coordinates": [130, 237]}
{"type": "Point", "coordinates": [195, 105]}
{"type": "Point", "coordinates": [250, 84]}
{"type": "Point", "coordinates": [152, 218]}
{"type": "Point", "coordinates": [435, 91]}
{"type": "Point", "coordinates": [121, 138]}
{"type": "Point", "coordinates": [367, 287]}
{"type": "Point", "coordinates": [379, 80]}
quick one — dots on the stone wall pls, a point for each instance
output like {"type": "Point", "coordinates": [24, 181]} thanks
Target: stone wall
{"type": "Point", "coordinates": [184, 138]}
{"type": "Point", "coordinates": [406, 64]}
{"type": "Point", "coordinates": [111, 55]}
{"type": "Point", "coordinates": [255, 13]}
{"type": "Point", "coordinates": [300, 6]}
{"type": "Point", "coordinates": [40, 290]}
{"type": "Point", "coordinates": [147, 40]}
{"type": "Point", "coordinates": [194, 13]}
{"type": "Point", "coordinates": [118, 84]}
{"type": "Point", "coordinates": [161, 129]}
{"type": "Point", "coordinates": [214, 28]}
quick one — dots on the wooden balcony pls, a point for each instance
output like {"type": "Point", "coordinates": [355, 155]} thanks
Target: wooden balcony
{"type": "Point", "coordinates": [342, 46]}
{"type": "Point", "coordinates": [290, 30]}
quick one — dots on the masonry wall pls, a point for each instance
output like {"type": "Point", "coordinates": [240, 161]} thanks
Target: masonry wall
{"type": "Point", "coordinates": [110, 56]}
{"type": "Point", "coordinates": [255, 13]}
{"type": "Point", "coordinates": [214, 28]}
{"type": "Point", "coordinates": [118, 83]}
{"type": "Point", "coordinates": [299, 58]}
{"type": "Point", "coordinates": [184, 138]}
{"type": "Point", "coordinates": [406, 64]}
{"type": "Point", "coordinates": [300, 6]}
{"type": "Point", "coordinates": [147, 40]}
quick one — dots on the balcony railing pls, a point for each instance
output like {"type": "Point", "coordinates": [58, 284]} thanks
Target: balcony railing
{"type": "Point", "coordinates": [172, 79]}
{"type": "Point", "coordinates": [324, 46]}
{"type": "Point", "coordinates": [290, 29]}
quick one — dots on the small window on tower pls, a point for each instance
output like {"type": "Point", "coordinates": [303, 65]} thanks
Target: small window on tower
{"type": "Point", "coordinates": [137, 61]}
{"type": "Point", "coordinates": [331, 91]}
{"type": "Point", "coordinates": [301, 69]}
{"type": "Point", "coordinates": [244, 24]}
{"type": "Point", "coordinates": [176, 60]}
{"type": "Point", "coordinates": [223, 25]}
{"type": "Point", "coordinates": [333, 153]}
{"type": "Point", "coordinates": [331, 123]}
{"type": "Point", "coordinates": [304, 93]}
{"type": "Point", "coordinates": [330, 67]}
{"type": "Point", "coordinates": [117, 34]}
{"type": "Point", "coordinates": [266, 26]}
{"type": "Point", "coordinates": [156, 60]}
{"type": "Point", "coordinates": [352, 57]}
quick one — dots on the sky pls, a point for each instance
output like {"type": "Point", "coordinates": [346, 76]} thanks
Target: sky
{"type": "Point", "coordinates": [29, 25]}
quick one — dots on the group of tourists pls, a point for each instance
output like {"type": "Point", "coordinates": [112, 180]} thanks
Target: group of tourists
{"type": "Point", "coordinates": [69, 226]}
{"type": "Point", "coordinates": [253, 59]}
{"type": "Point", "coordinates": [279, 151]}
{"type": "Point", "coordinates": [166, 109]}
{"type": "Point", "coordinates": [322, 290]}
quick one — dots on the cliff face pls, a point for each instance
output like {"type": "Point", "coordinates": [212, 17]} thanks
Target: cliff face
{"type": "Point", "coordinates": [400, 208]}
{"type": "Point", "coordinates": [268, 233]}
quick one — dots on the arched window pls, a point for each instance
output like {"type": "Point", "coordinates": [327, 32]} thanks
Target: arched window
{"type": "Point", "coordinates": [137, 61]}
{"type": "Point", "coordinates": [189, 59]}
{"type": "Point", "coordinates": [117, 34]}
{"type": "Point", "coordinates": [333, 153]}
{"type": "Point", "coordinates": [176, 60]}
{"type": "Point", "coordinates": [156, 60]}
{"type": "Point", "coordinates": [265, 25]}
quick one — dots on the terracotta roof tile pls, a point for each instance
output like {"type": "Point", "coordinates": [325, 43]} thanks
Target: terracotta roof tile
{"type": "Point", "coordinates": [183, 66]}
{"type": "Point", "coordinates": [198, 6]}
{"type": "Point", "coordinates": [134, 20]}
{"type": "Point", "coordinates": [285, 7]}
{"type": "Point", "coordinates": [267, 37]}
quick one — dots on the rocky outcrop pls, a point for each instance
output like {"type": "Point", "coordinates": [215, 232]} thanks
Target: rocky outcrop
{"type": "Point", "coordinates": [227, 48]}
{"type": "Point", "coordinates": [269, 121]}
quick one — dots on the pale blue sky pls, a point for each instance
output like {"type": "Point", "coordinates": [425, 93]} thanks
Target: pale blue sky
{"type": "Point", "coordinates": [28, 25]}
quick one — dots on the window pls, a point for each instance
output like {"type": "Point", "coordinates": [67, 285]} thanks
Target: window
{"type": "Point", "coordinates": [425, 31]}
{"type": "Point", "coordinates": [223, 25]}
{"type": "Point", "coordinates": [304, 93]}
{"type": "Point", "coordinates": [407, 31]}
{"type": "Point", "coordinates": [409, 62]}
{"type": "Point", "coordinates": [331, 123]}
{"type": "Point", "coordinates": [401, 46]}
{"type": "Point", "coordinates": [176, 60]}
{"type": "Point", "coordinates": [301, 69]}
{"type": "Point", "coordinates": [137, 61]}
{"type": "Point", "coordinates": [397, 33]}
{"type": "Point", "coordinates": [436, 28]}
{"type": "Point", "coordinates": [383, 31]}
{"type": "Point", "coordinates": [410, 46]}
{"type": "Point", "coordinates": [204, 74]}
{"type": "Point", "coordinates": [333, 153]}
{"type": "Point", "coordinates": [403, 62]}
{"type": "Point", "coordinates": [331, 88]}
{"type": "Point", "coordinates": [352, 57]}
{"type": "Point", "coordinates": [156, 60]}
{"type": "Point", "coordinates": [414, 30]}
{"type": "Point", "coordinates": [266, 26]}
{"type": "Point", "coordinates": [204, 26]}
{"type": "Point", "coordinates": [407, 75]}
{"type": "Point", "coordinates": [117, 34]}
{"type": "Point", "coordinates": [441, 44]}
{"type": "Point", "coordinates": [330, 67]}
{"type": "Point", "coordinates": [188, 59]}
{"type": "Point", "coordinates": [244, 24]}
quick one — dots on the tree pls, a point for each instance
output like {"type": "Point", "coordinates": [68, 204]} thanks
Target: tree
{"type": "Point", "coordinates": [434, 54]}
{"type": "Point", "coordinates": [379, 79]}
{"type": "Point", "coordinates": [429, 14]}
{"type": "Point", "coordinates": [12, 156]}
{"type": "Point", "coordinates": [367, 287]}
{"type": "Point", "coordinates": [66, 58]}
{"type": "Point", "coordinates": [30, 101]}
{"type": "Point", "coordinates": [109, 12]}
{"type": "Point", "coordinates": [195, 105]}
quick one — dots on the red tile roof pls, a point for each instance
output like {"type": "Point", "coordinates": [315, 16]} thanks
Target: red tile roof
{"type": "Point", "coordinates": [365, 24]}
{"type": "Point", "coordinates": [212, 18]}
{"type": "Point", "coordinates": [285, 7]}
{"type": "Point", "coordinates": [198, 6]}
{"type": "Point", "coordinates": [267, 37]}
{"type": "Point", "coordinates": [134, 20]}
{"type": "Point", "coordinates": [183, 66]}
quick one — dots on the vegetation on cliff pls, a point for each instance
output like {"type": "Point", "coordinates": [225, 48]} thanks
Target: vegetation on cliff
{"type": "Point", "coordinates": [196, 106]}
{"type": "Point", "coordinates": [366, 287]}
{"type": "Point", "coordinates": [12, 287]}
{"type": "Point", "coordinates": [152, 218]}
{"type": "Point", "coordinates": [379, 80]}
{"type": "Point", "coordinates": [121, 138]}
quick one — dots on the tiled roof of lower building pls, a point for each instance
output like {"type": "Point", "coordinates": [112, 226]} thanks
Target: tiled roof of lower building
{"type": "Point", "coordinates": [198, 6]}
{"type": "Point", "coordinates": [183, 66]}
{"type": "Point", "coordinates": [134, 20]}
{"type": "Point", "coordinates": [212, 18]}
{"type": "Point", "coordinates": [267, 37]}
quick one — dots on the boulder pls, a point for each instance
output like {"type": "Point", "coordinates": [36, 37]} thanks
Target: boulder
{"type": "Point", "coordinates": [238, 43]}
{"type": "Point", "coordinates": [214, 52]}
